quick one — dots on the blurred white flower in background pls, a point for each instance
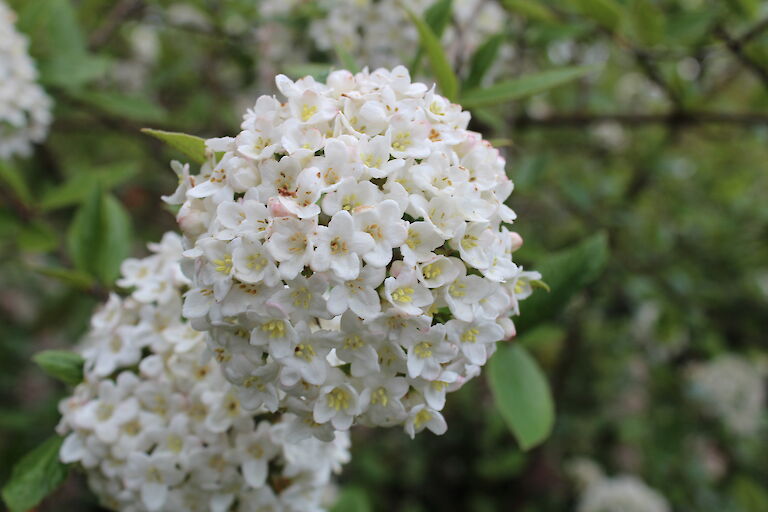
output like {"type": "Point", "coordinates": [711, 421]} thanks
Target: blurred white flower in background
{"type": "Point", "coordinates": [155, 425]}
{"type": "Point", "coordinates": [25, 108]}
{"type": "Point", "coordinates": [732, 389]}
{"type": "Point", "coordinates": [624, 493]}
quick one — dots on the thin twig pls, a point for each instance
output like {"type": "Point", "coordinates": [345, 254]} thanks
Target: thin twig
{"type": "Point", "coordinates": [670, 119]}
{"type": "Point", "coordinates": [112, 22]}
{"type": "Point", "coordinates": [736, 46]}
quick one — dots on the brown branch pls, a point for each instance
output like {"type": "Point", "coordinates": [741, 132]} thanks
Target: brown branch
{"type": "Point", "coordinates": [736, 46]}
{"type": "Point", "coordinates": [669, 119]}
{"type": "Point", "coordinates": [112, 21]}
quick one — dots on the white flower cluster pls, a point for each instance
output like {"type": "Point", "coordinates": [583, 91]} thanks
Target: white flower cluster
{"type": "Point", "coordinates": [25, 109]}
{"type": "Point", "coordinates": [349, 253]}
{"type": "Point", "coordinates": [733, 389]}
{"type": "Point", "coordinates": [379, 32]}
{"type": "Point", "coordinates": [156, 426]}
{"type": "Point", "coordinates": [622, 494]}
{"type": "Point", "coordinates": [617, 494]}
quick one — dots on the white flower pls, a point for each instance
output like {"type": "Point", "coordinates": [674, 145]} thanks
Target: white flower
{"type": "Point", "coordinates": [339, 247]}
{"type": "Point", "coordinates": [731, 388]}
{"type": "Point", "coordinates": [338, 404]}
{"type": "Point", "coordinates": [421, 417]}
{"type": "Point", "coordinates": [472, 337]}
{"type": "Point", "coordinates": [358, 294]}
{"type": "Point", "coordinates": [25, 108]}
{"type": "Point", "coordinates": [175, 434]}
{"type": "Point", "coordinates": [428, 351]}
{"type": "Point", "coordinates": [292, 243]}
{"type": "Point", "coordinates": [353, 239]}
{"type": "Point", "coordinates": [406, 294]}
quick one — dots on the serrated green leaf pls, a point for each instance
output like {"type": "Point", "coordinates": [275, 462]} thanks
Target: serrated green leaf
{"type": "Point", "coordinates": [607, 13]}
{"type": "Point", "coordinates": [566, 272]}
{"type": "Point", "coordinates": [35, 476]}
{"type": "Point", "coordinates": [530, 9]}
{"type": "Point", "coordinates": [63, 365]}
{"type": "Point", "coordinates": [523, 87]}
{"type": "Point", "coordinates": [99, 237]}
{"type": "Point", "coordinates": [438, 15]}
{"type": "Point", "coordinates": [482, 60]}
{"type": "Point", "coordinates": [446, 78]}
{"type": "Point", "coordinates": [190, 145]}
{"type": "Point", "coordinates": [352, 499]}
{"type": "Point", "coordinates": [521, 393]}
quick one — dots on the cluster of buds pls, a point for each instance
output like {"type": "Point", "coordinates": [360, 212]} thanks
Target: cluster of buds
{"type": "Point", "coordinates": [349, 252]}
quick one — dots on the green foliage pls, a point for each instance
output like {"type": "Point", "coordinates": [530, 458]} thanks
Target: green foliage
{"type": "Point", "coordinates": [438, 15]}
{"type": "Point", "coordinates": [35, 476]}
{"type": "Point", "coordinates": [482, 60]}
{"type": "Point", "coordinates": [531, 9]}
{"type": "Point", "coordinates": [99, 238]}
{"type": "Point", "coordinates": [352, 499]}
{"type": "Point", "coordinates": [566, 273]}
{"type": "Point", "coordinates": [607, 13]}
{"type": "Point", "coordinates": [191, 146]}
{"type": "Point", "coordinates": [521, 394]}
{"type": "Point", "coordinates": [446, 78]}
{"type": "Point", "coordinates": [523, 87]}
{"type": "Point", "coordinates": [62, 365]}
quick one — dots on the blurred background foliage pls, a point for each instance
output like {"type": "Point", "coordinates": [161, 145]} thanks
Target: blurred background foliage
{"type": "Point", "coordinates": [662, 145]}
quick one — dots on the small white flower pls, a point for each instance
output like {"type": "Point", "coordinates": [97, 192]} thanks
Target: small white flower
{"type": "Point", "coordinates": [406, 294]}
{"type": "Point", "coordinates": [428, 351]}
{"type": "Point", "coordinates": [339, 247]}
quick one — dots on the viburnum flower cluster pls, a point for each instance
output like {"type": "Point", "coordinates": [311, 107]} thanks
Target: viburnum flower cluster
{"type": "Point", "coordinates": [731, 388]}
{"type": "Point", "coordinates": [625, 493]}
{"type": "Point", "coordinates": [25, 109]}
{"type": "Point", "coordinates": [349, 252]}
{"type": "Point", "coordinates": [155, 425]}
{"type": "Point", "coordinates": [379, 32]}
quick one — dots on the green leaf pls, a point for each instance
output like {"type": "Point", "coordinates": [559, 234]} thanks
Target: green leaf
{"type": "Point", "coordinates": [438, 15]}
{"type": "Point", "coordinates": [566, 272]}
{"type": "Point", "coordinates": [99, 237]}
{"type": "Point", "coordinates": [523, 87]}
{"type": "Point", "coordinates": [346, 59]}
{"type": "Point", "coordinates": [76, 189]}
{"type": "Point", "coordinates": [133, 108]}
{"type": "Point", "coordinates": [62, 365]}
{"type": "Point", "coordinates": [317, 71]}
{"type": "Point", "coordinates": [59, 44]}
{"type": "Point", "coordinates": [446, 78]}
{"type": "Point", "coordinates": [35, 476]}
{"type": "Point", "coordinates": [37, 236]}
{"type": "Point", "coordinates": [522, 394]}
{"type": "Point", "coordinates": [530, 9]}
{"type": "Point", "coordinates": [190, 145]}
{"type": "Point", "coordinates": [352, 499]}
{"type": "Point", "coordinates": [607, 13]}
{"type": "Point", "coordinates": [645, 22]}
{"type": "Point", "coordinates": [68, 276]}
{"type": "Point", "coordinates": [11, 176]}
{"type": "Point", "coordinates": [482, 60]}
